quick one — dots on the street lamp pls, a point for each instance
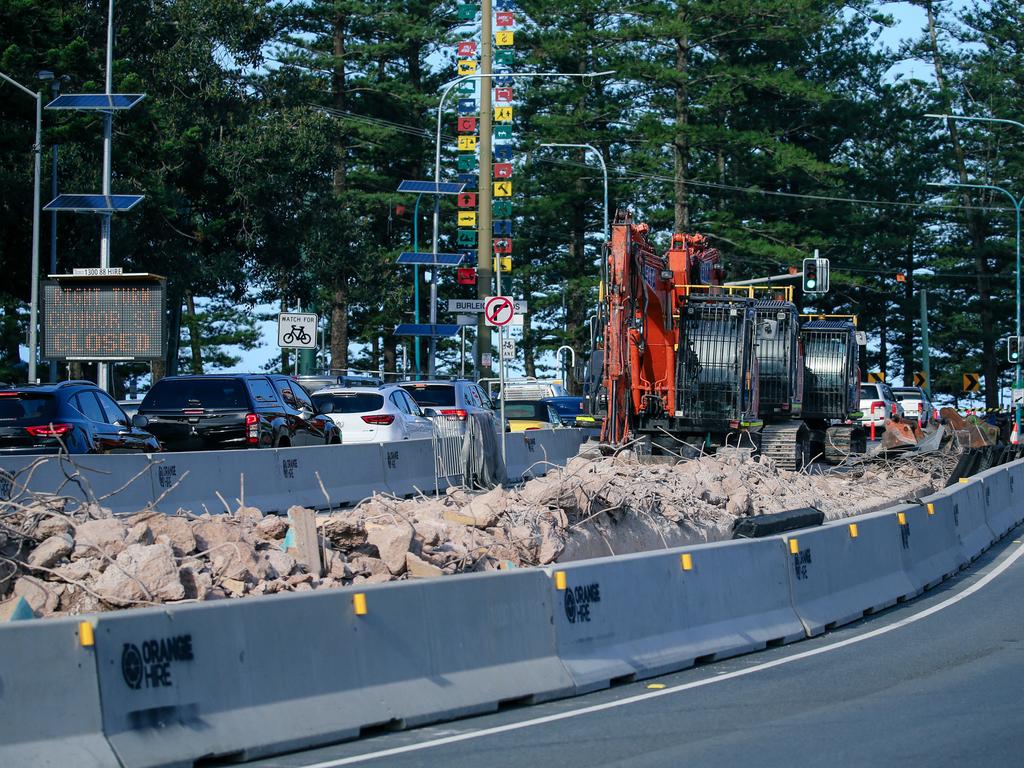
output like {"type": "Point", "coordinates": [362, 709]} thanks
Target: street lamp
{"type": "Point", "coordinates": [1016, 206]}
{"type": "Point", "coordinates": [37, 148]}
{"type": "Point", "coordinates": [447, 89]}
{"type": "Point", "coordinates": [54, 81]}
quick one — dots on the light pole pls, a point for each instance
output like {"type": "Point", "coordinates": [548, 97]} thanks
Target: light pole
{"type": "Point", "coordinates": [445, 90]}
{"type": "Point", "coordinates": [33, 338]}
{"type": "Point", "coordinates": [48, 76]}
{"type": "Point", "coordinates": [1016, 207]}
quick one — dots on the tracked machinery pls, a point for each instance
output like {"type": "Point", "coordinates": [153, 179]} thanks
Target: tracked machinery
{"type": "Point", "coordinates": [691, 364]}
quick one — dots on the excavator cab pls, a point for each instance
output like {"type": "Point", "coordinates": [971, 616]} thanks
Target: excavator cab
{"type": "Point", "coordinates": [831, 386]}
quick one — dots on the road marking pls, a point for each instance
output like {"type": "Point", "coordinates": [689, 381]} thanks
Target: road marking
{"type": "Point", "coordinates": [989, 577]}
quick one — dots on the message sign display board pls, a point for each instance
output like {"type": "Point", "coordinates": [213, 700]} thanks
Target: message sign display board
{"type": "Point", "coordinates": [104, 318]}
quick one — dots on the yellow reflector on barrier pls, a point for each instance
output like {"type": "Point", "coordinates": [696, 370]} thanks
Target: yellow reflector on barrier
{"type": "Point", "coordinates": [656, 686]}
{"type": "Point", "coordinates": [965, 479]}
{"type": "Point", "coordinates": [794, 547]}
{"type": "Point", "coordinates": [931, 509]}
{"type": "Point", "coordinates": [359, 603]}
{"type": "Point", "coordinates": [686, 560]}
{"type": "Point", "coordinates": [902, 517]}
{"type": "Point", "coordinates": [85, 635]}
{"type": "Point", "coordinates": [560, 581]}
{"type": "Point", "coordinates": [853, 530]}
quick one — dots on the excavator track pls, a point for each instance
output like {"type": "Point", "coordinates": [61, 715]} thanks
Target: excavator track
{"type": "Point", "coordinates": [787, 445]}
{"type": "Point", "coordinates": [842, 441]}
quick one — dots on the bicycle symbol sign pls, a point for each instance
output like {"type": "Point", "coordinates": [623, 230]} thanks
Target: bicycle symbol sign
{"type": "Point", "coordinates": [499, 310]}
{"type": "Point", "coordinates": [297, 329]}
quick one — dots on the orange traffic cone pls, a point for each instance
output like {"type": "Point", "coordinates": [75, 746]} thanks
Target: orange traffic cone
{"type": "Point", "coordinates": [1014, 435]}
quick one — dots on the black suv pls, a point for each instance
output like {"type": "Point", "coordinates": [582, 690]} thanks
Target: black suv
{"type": "Point", "coordinates": [72, 416]}
{"type": "Point", "coordinates": [248, 410]}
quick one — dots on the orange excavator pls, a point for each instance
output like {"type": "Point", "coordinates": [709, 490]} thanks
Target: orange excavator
{"type": "Point", "coordinates": [691, 364]}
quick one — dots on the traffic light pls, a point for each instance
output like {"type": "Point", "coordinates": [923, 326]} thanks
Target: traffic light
{"type": "Point", "coordinates": [1013, 349]}
{"type": "Point", "coordinates": [815, 275]}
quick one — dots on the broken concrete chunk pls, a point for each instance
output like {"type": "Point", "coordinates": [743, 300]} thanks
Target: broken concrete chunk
{"type": "Point", "coordinates": [99, 536]}
{"type": "Point", "coordinates": [392, 542]}
{"type": "Point", "coordinates": [141, 573]}
{"type": "Point", "coordinates": [420, 569]}
{"type": "Point", "coordinates": [51, 551]}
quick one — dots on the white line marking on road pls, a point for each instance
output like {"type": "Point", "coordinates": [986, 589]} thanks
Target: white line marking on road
{"type": "Point", "coordinates": [989, 577]}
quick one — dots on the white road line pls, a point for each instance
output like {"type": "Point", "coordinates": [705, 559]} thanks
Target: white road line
{"type": "Point", "coordinates": [989, 577]}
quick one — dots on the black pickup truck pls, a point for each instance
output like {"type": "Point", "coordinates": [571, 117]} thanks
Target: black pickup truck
{"type": "Point", "coordinates": [195, 413]}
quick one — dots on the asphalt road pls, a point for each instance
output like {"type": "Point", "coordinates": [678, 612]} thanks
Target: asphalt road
{"type": "Point", "coordinates": [937, 681]}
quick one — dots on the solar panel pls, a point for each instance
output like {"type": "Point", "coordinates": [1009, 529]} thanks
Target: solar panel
{"type": "Point", "coordinates": [424, 329]}
{"type": "Point", "coordinates": [101, 101]}
{"type": "Point", "coordinates": [93, 203]}
{"type": "Point", "coordinates": [443, 259]}
{"type": "Point", "coordinates": [430, 187]}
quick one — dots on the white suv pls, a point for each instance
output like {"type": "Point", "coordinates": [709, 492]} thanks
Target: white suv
{"type": "Point", "coordinates": [916, 404]}
{"type": "Point", "coordinates": [878, 403]}
{"type": "Point", "coordinates": [374, 415]}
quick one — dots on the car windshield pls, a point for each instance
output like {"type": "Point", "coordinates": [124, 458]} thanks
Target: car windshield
{"type": "Point", "coordinates": [349, 402]}
{"type": "Point", "coordinates": [533, 410]}
{"type": "Point", "coordinates": [24, 407]}
{"type": "Point", "coordinates": [171, 394]}
{"type": "Point", "coordinates": [431, 394]}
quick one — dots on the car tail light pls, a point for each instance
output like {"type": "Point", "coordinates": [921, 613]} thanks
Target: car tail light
{"type": "Point", "coordinates": [876, 405]}
{"type": "Point", "coordinates": [384, 419]}
{"type": "Point", "coordinates": [252, 429]}
{"type": "Point", "coordinates": [455, 413]}
{"type": "Point", "coordinates": [49, 430]}
{"type": "Point", "coordinates": [893, 409]}
{"type": "Point", "coordinates": [529, 428]}
{"type": "Point", "coordinates": [920, 407]}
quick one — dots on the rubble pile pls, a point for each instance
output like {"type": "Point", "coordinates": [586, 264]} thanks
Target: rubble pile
{"type": "Point", "coordinates": [63, 558]}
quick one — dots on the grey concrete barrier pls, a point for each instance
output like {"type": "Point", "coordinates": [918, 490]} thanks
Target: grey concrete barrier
{"type": "Point", "coordinates": [49, 698]}
{"type": "Point", "coordinates": [965, 503]}
{"type": "Point", "coordinates": [409, 467]}
{"type": "Point", "coordinates": [1002, 507]}
{"type": "Point", "coordinates": [636, 616]}
{"type": "Point", "coordinates": [254, 677]}
{"type": "Point", "coordinates": [846, 568]}
{"type": "Point", "coordinates": [120, 482]}
{"type": "Point", "coordinates": [929, 544]}
{"type": "Point", "coordinates": [517, 455]}
{"type": "Point", "coordinates": [193, 480]}
{"type": "Point", "coordinates": [348, 473]}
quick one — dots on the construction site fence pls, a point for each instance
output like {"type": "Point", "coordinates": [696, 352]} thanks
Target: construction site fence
{"type": "Point", "coordinates": [170, 685]}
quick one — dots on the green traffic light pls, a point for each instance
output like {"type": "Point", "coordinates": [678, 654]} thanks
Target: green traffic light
{"type": "Point", "coordinates": [811, 283]}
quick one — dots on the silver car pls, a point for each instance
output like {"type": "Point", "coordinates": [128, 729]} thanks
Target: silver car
{"type": "Point", "coordinates": [878, 403]}
{"type": "Point", "coordinates": [916, 404]}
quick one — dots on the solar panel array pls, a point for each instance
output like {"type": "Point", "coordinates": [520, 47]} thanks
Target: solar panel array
{"type": "Point", "coordinates": [96, 101]}
{"type": "Point", "coordinates": [93, 203]}
{"type": "Point", "coordinates": [425, 329]}
{"type": "Point", "coordinates": [430, 187]}
{"type": "Point", "coordinates": [443, 259]}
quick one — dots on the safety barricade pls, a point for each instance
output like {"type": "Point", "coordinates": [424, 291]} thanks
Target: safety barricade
{"type": "Point", "coordinates": [219, 481]}
{"type": "Point", "coordinates": [119, 482]}
{"type": "Point", "coordinates": [844, 569]}
{"type": "Point", "coordinates": [519, 452]}
{"type": "Point", "coordinates": [330, 476]}
{"type": "Point", "coordinates": [637, 616]}
{"type": "Point", "coordinates": [1002, 508]}
{"type": "Point", "coordinates": [49, 697]}
{"type": "Point", "coordinates": [409, 467]}
{"type": "Point", "coordinates": [929, 544]}
{"type": "Point", "coordinates": [281, 673]}
{"type": "Point", "coordinates": [965, 503]}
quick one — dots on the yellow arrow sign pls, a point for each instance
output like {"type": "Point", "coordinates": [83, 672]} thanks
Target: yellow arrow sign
{"type": "Point", "coordinates": [920, 380]}
{"type": "Point", "coordinates": [876, 377]}
{"type": "Point", "coordinates": [972, 382]}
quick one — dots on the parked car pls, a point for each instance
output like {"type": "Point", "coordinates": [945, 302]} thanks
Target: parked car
{"type": "Point", "coordinates": [130, 407]}
{"type": "Point", "coordinates": [523, 415]}
{"type": "Point", "coordinates": [378, 415]}
{"type": "Point", "coordinates": [316, 382]}
{"type": "Point", "coordinates": [878, 403]}
{"type": "Point", "coordinates": [524, 389]}
{"type": "Point", "coordinates": [71, 416]}
{"type": "Point", "coordinates": [194, 413]}
{"type": "Point", "coordinates": [570, 409]}
{"type": "Point", "coordinates": [917, 406]}
{"type": "Point", "coordinates": [455, 399]}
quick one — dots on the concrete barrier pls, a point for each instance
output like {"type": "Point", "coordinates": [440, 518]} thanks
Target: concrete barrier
{"type": "Point", "coordinates": [409, 467]}
{"type": "Point", "coordinates": [929, 545]}
{"type": "Point", "coordinates": [964, 502]}
{"type": "Point", "coordinates": [273, 674]}
{"type": "Point", "coordinates": [1002, 509]}
{"type": "Point", "coordinates": [49, 698]}
{"type": "Point", "coordinates": [193, 480]}
{"type": "Point", "coordinates": [844, 569]}
{"type": "Point", "coordinates": [121, 482]}
{"type": "Point", "coordinates": [348, 473]}
{"type": "Point", "coordinates": [637, 616]}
